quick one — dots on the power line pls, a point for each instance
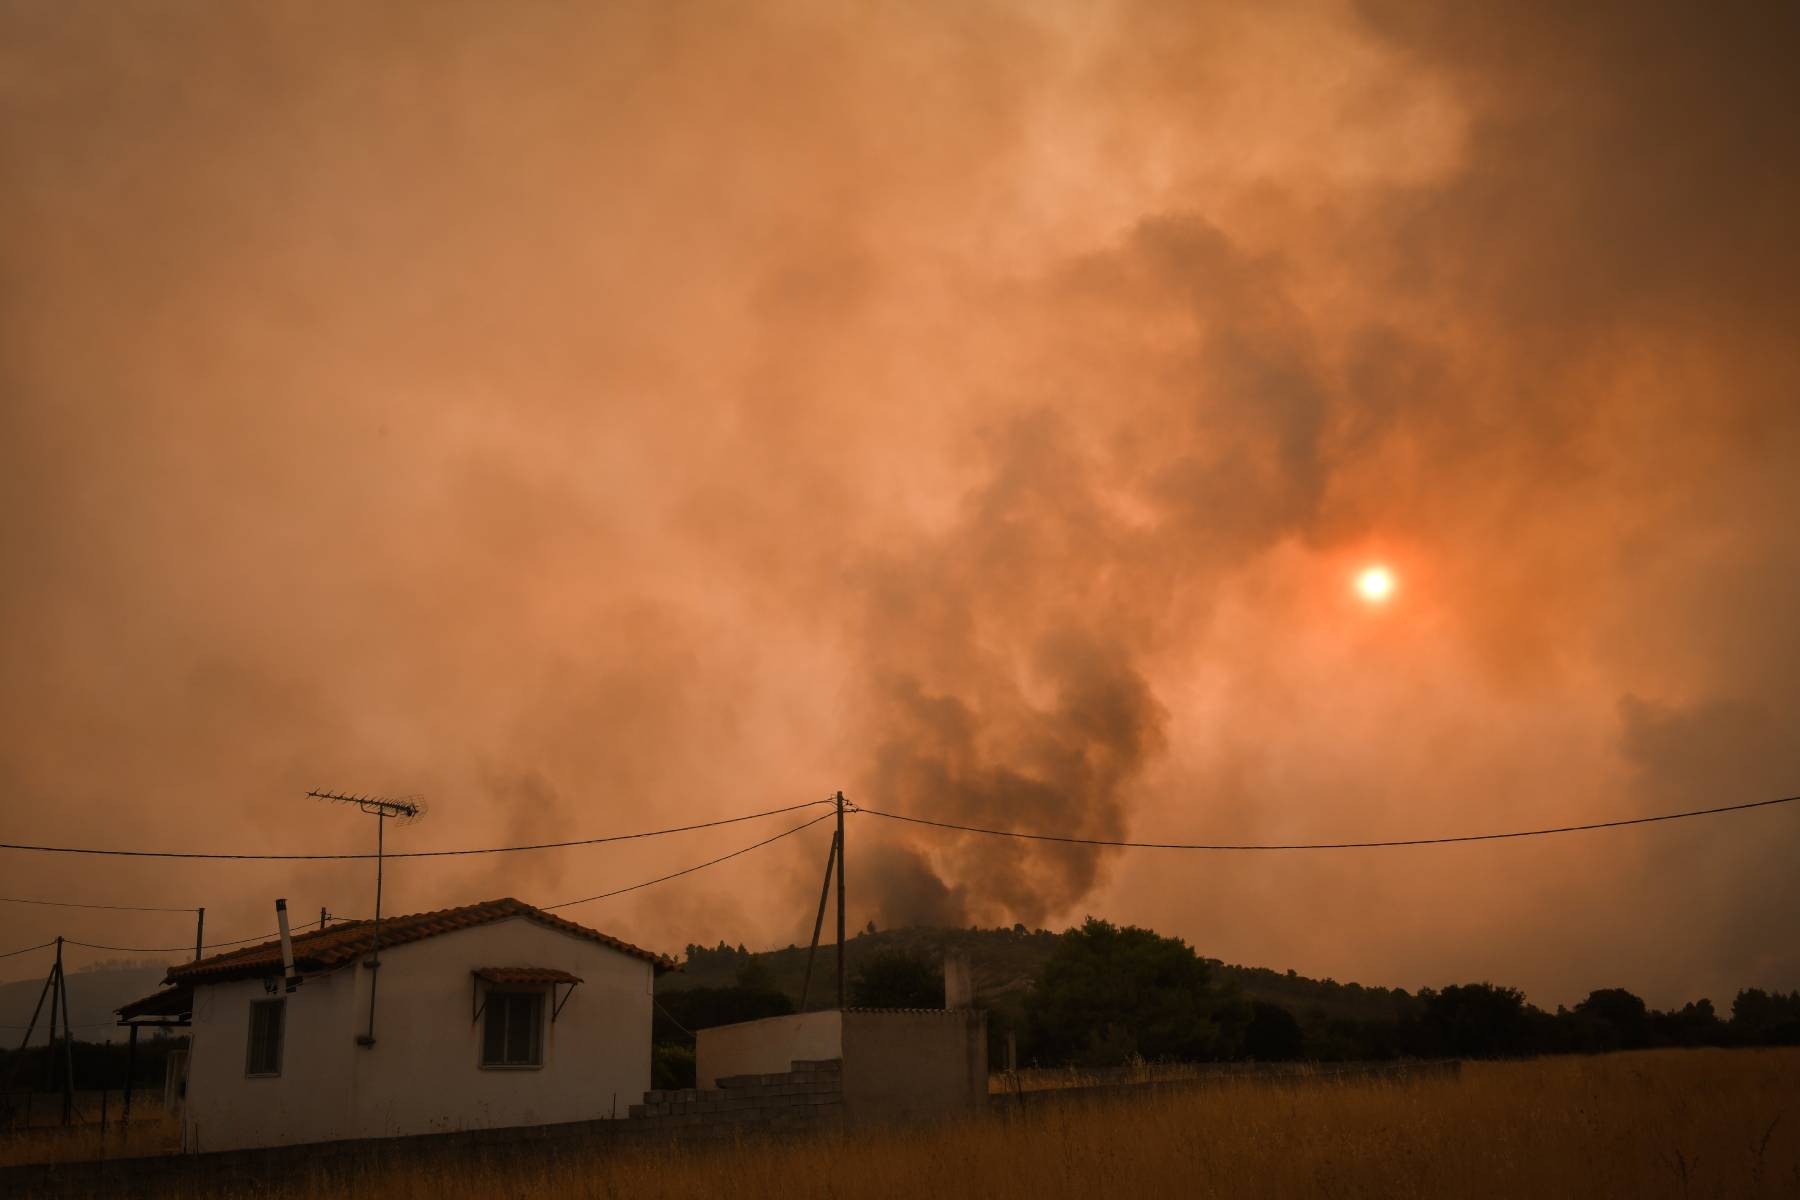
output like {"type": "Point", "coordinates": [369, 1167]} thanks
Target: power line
{"type": "Point", "coordinates": [111, 907]}
{"type": "Point", "coordinates": [565, 904]}
{"type": "Point", "coordinates": [1432, 841]}
{"type": "Point", "coordinates": [28, 949]}
{"type": "Point", "coordinates": [713, 862]}
{"type": "Point", "coordinates": [595, 841]}
{"type": "Point", "coordinates": [697, 867]}
{"type": "Point", "coordinates": [261, 937]}
{"type": "Point", "coordinates": [659, 1004]}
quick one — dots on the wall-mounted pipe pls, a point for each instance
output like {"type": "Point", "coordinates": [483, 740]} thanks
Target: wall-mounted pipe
{"type": "Point", "coordinates": [287, 946]}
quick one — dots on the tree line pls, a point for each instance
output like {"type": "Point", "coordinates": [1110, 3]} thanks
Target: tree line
{"type": "Point", "coordinates": [1108, 994]}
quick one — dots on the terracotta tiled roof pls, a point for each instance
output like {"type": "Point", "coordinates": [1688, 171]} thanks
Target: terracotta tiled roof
{"type": "Point", "coordinates": [505, 975]}
{"type": "Point", "coordinates": [341, 944]}
{"type": "Point", "coordinates": [170, 1002]}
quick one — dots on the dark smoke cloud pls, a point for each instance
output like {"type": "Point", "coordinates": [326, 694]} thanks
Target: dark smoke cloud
{"type": "Point", "coordinates": [596, 416]}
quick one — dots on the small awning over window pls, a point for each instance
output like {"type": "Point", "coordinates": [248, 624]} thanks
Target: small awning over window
{"type": "Point", "coordinates": [524, 975]}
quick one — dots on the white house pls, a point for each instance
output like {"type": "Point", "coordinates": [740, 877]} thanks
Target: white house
{"type": "Point", "coordinates": [491, 1015]}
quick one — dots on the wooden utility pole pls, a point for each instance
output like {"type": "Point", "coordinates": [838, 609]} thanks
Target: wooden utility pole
{"type": "Point", "coordinates": [818, 922]}
{"type": "Point", "coordinates": [840, 899]}
{"type": "Point", "coordinates": [130, 1076]}
{"type": "Point", "coordinates": [199, 931]}
{"type": "Point", "coordinates": [62, 987]}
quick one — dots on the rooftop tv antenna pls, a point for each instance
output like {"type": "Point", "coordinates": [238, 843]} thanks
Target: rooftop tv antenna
{"type": "Point", "coordinates": [407, 809]}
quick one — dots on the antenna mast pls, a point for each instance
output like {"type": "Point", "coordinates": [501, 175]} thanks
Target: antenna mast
{"type": "Point", "coordinates": [407, 808]}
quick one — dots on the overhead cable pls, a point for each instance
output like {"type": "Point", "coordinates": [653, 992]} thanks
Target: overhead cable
{"type": "Point", "coordinates": [28, 949]}
{"type": "Point", "coordinates": [697, 867]}
{"type": "Point", "coordinates": [593, 841]}
{"type": "Point", "coordinates": [110, 907]}
{"type": "Point", "coordinates": [1427, 841]}
{"type": "Point", "coordinates": [261, 937]}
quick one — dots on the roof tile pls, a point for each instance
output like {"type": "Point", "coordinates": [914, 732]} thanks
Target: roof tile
{"type": "Point", "coordinates": [324, 949]}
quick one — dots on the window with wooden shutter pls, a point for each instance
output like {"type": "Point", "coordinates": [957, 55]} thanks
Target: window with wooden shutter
{"type": "Point", "coordinates": [513, 1033]}
{"type": "Point", "coordinates": [267, 1017]}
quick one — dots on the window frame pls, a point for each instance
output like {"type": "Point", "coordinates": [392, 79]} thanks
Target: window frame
{"type": "Point", "coordinates": [279, 1007]}
{"type": "Point", "coordinates": [497, 1005]}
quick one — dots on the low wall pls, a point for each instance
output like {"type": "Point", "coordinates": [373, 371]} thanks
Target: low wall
{"type": "Point", "coordinates": [1014, 1102]}
{"type": "Point", "coordinates": [766, 1047]}
{"type": "Point", "coordinates": [806, 1100]}
{"type": "Point", "coordinates": [904, 1065]}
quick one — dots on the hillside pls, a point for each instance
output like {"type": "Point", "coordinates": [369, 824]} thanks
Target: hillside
{"type": "Point", "coordinates": [1004, 962]}
{"type": "Point", "coordinates": [94, 992]}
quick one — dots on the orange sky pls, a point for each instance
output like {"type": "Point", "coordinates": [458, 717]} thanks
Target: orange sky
{"type": "Point", "coordinates": [600, 416]}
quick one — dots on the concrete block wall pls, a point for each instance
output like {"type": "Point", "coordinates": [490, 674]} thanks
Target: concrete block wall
{"type": "Point", "coordinates": [810, 1093]}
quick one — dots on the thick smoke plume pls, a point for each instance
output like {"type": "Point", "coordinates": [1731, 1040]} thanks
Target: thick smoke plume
{"type": "Point", "coordinates": [601, 416]}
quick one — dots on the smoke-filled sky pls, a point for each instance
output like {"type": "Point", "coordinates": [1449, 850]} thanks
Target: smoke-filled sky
{"type": "Point", "coordinates": [599, 416]}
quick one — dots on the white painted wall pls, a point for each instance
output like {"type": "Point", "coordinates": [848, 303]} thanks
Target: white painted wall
{"type": "Point", "coordinates": [766, 1047]}
{"type": "Point", "coordinates": [424, 1072]}
{"type": "Point", "coordinates": [307, 1102]}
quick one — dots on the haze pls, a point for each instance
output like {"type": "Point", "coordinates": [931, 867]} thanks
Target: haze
{"type": "Point", "coordinates": [603, 416]}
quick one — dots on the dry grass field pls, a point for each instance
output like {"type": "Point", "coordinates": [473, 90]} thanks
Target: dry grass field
{"type": "Point", "coordinates": [151, 1134]}
{"type": "Point", "coordinates": [1690, 1123]}
{"type": "Point", "coordinates": [1687, 1123]}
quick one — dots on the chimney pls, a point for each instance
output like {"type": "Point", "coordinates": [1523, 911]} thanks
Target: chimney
{"type": "Point", "coordinates": [959, 991]}
{"type": "Point", "coordinates": [287, 946]}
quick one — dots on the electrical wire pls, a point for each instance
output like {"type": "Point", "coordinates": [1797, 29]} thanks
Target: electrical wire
{"type": "Point", "coordinates": [261, 937]}
{"type": "Point", "coordinates": [595, 841]}
{"type": "Point", "coordinates": [548, 907]}
{"type": "Point", "coordinates": [697, 867]}
{"type": "Point", "coordinates": [1431, 841]}
{"type": "Point", "coordinates": [111, 907]}
{"type": "Point", "coordinates": [28, 949]}
{"type": "Point", "coordinates": [659, 1005]}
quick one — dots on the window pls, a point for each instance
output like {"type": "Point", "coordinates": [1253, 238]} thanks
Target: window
{"type": "Point", "coordinates": [514, 1033]}
{"type": "Point", "coordinates": [266, 1020]}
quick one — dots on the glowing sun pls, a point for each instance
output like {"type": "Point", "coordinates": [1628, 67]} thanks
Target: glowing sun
{"type": "Point", "coordinates": [1375, 584]}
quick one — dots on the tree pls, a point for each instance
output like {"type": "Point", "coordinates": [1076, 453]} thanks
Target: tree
{"type": "Point", "coordinates": [1621, 1018]}
{"type": "Point", "coordinates": [1272, 1034]}
{"type": "Point", "coordinates": [895, 979]}
{"type": "Point", "coordinates": [1694, 1024]}
{"type": "Point", "coordinates": [1107, 994]}
{"type": "Point", "coordinates": [1764, 1018]}
{"type": "Point", "coordinates": [1476, 1020]}
{"type": "Point", "coordinates": [753, 975]}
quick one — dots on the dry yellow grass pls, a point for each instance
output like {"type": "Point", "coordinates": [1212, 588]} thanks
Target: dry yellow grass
{"type": "Point", "coordinates": [1694, 1123]}
{"type": "Point", "coordinates": [1698, 1123]}
{"type": "Point", "coordinates": [150, 1134]}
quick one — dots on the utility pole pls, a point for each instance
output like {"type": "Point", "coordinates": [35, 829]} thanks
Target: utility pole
{"type": "Point", "coordinates": [55, 985]}
{"type": "Point", "coordinates": [62, 987]}
{"type": "Point", "coordinates": [199, 931]}
{"type": "Point", "coordinates": [30, 1029]}
{"type": "Point", "coordinates": [368, 1039]}
{"type": "Point", "coordinates": [818, 923]}
{"type": "Point", "coordinates": [840, 899]}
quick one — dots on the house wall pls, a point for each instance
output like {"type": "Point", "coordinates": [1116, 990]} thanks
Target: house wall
{"type": "Point", "coordinates": [225, 1109]}
{"type": "Point", "coordinates": [766, 1047]}
{"type": "Point", "coordinates": [914, 1064]}
{"type": "Point", "coordinates": [424, 1073]}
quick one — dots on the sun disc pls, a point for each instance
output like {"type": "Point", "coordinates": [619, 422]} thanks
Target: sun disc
{"type": "Point", "coordinates": [1376, 584]}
